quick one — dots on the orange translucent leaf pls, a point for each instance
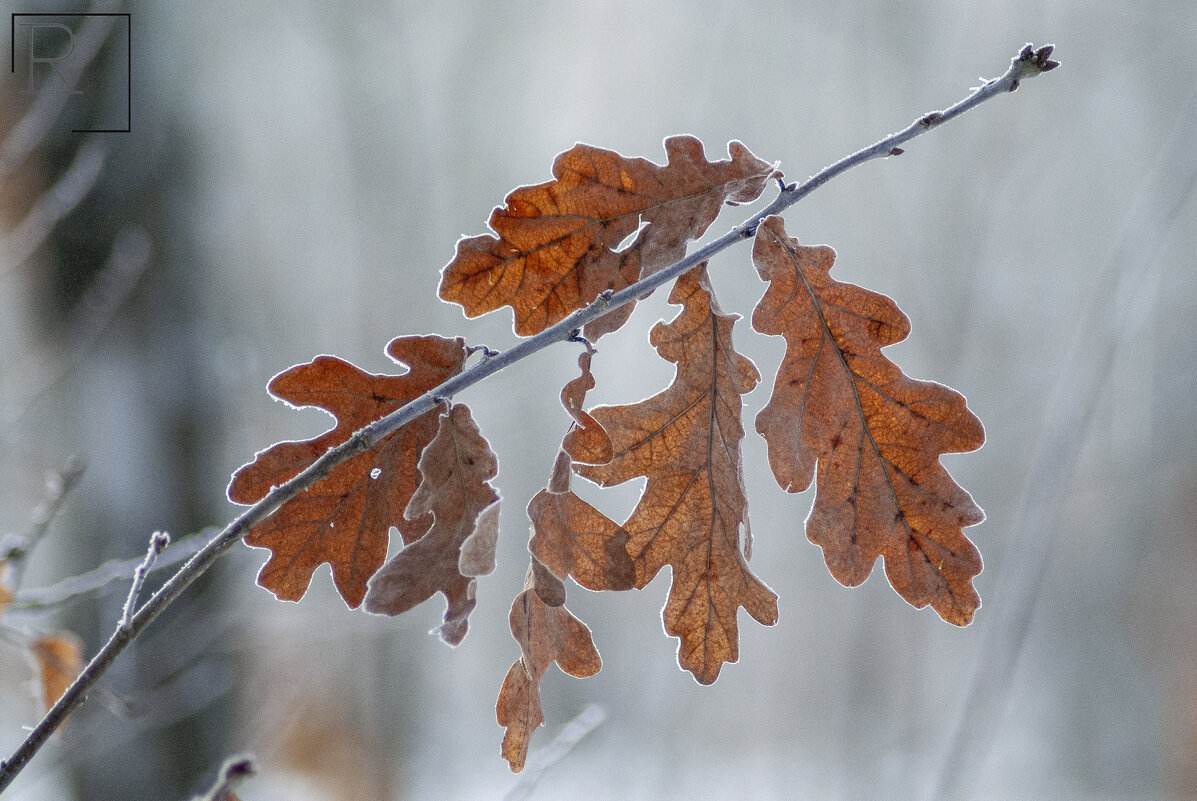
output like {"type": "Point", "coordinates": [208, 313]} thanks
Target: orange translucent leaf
{"type": "Point", "coordinates": [546, 634]}
{"type": "Point", "coordinates": [875, 434]}
{"type": "Point", "coordinates": [553, 248]}
{"type": "Point", "coordinates": [59, 658]}
{"type": "Point", "coordinates": [693, 514]}
{"type": "Point", "coordinates": [344, 520]}
{"type": "Point", "coordinates": [460, 545]}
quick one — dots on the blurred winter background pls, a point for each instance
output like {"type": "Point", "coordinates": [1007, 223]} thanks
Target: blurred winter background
{"type": "Point", "coordinates": [296, 175]}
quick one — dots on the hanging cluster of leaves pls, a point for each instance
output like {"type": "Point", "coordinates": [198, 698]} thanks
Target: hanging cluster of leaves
{"type": "Point", "coordinates": [840, 414]}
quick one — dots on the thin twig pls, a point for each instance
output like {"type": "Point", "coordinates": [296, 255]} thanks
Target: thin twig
{"type": "Point", "coordinates": [55, 204]}
{"type": "Point", "coordinates": [75, 587]}
{"type": "Point", "coordinates": [59, 485]}
{"type": "Point", "coordinates": [234, 771]}
{"type": "Point", "coordinates": [1027, 64]}
{"type": "Point", "coordinates": [570, 735]}
{"type": "Point", "coordinates": [107, 292]}
{"type": "Point", "coordinates": [158, 542]}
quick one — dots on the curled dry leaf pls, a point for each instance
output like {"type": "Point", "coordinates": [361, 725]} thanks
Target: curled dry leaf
{"type": "Point", "coordinates": [59, 659]}
{"type": "Point", "coordinates": [569, 536]}
{"type": "Point", "coordinates": [548, 587]}
{"type": "Point", "coordinates": [553, 250]}
{"type": "Point", "coordinates": [455, 468]}
{"type": "Point", "coordinates": [345, 519]}
{"type": "Point", "coordinates": [686, 441]}
{"type": "Point", "coordinates": [546, 634]}
{"type": "Point", "coordinates": [586, 441]}
{"type": "Point", "coordinates": [572, 538]}
{"type": "Point", "coordinates": [875, 434]}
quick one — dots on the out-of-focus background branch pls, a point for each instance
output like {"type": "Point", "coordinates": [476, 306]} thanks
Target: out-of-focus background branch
{"type": "Point", "coordinates": [295, 177]}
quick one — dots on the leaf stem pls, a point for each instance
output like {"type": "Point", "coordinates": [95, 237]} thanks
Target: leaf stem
{"type": "Point", "coordinates": [1027, 63]}
{"type": "Point", "coordinates": [97, 579]}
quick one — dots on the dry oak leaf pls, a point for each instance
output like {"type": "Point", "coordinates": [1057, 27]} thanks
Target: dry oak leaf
{"type": "Point", "coordinates": [546, 634]}
{"type": "Point", "coordinates": [875, 434]}
{"type": "Point", "coordinates": [59, 660]}
{"type": "Point", "coordinates": [555, 246]}
{"type": "Point", "coordinates": [346, 518]}
{"type": "Point", "coordinates": [569, 536]}
{"type": "Point", "coordinates": [572, 538]}
{"type": "Point", "coordinates": [686, 441]}
{"type": "Point", "coordinates": [460, 545]}
{"type": "Point", "coordinates": [586, 441]}
{"type": "Point", "coordinates": [548, 587]}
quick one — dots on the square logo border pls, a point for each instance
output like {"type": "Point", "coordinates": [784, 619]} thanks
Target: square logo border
{"type": "Point", "coordinates": [12, 44]}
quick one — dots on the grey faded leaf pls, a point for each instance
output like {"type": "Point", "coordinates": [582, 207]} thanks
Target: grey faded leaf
{"type": "Point", "coordinates": [455, 467]}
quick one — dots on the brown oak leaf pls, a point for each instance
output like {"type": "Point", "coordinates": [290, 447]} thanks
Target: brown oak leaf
{"type": "Point", "coordinates": [460, 545]}
{"type": "Point", "coordinates": [586, 441]}
{"type": "Point", "coordinates": [875, 434]}
{"type": "Point", "coordinates": [345, 519]}
{"type": "Point", "coordinates": [550, 588]}
{"type": "Point", "coordinates": [572, 538]}
{"type": "Point", "coordinates": [555, 246]}
{"type": "Point", "coordinates": [569, 536]}
{"type": "Point", "coordinates": [686, 441]}
{"type": "Point", "coordinates": [59, 659]}
{"type": "Point", "coordinates": [546, 634]}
